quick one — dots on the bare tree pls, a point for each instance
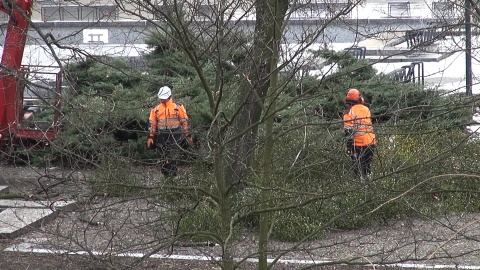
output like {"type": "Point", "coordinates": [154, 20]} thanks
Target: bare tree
{"type": "Point", "coordinates": [271, 156]}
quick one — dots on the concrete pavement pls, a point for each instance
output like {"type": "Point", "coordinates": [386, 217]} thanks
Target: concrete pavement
{"type": "Point", "coordinates": [21, 216]}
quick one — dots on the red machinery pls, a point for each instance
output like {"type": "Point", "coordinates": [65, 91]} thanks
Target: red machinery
{"type": "Point", "coordinates": [13, 78]}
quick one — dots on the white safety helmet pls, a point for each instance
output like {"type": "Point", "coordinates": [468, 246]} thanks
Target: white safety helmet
{"type": "Point", "coordinates": [165, 92]}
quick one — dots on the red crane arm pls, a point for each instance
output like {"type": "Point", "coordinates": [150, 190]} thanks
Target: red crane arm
{"type": "Point", "coordinates": [20, 12]}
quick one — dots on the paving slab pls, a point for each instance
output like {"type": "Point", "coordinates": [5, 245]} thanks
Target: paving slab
{"type": "Point", "coordinates": [413, 57]}
{"type": "Point", "coordinates": [384, 39]}
{"type": "Point", "coordinates": [4, 189]}
{"type": "Point", "coordinates": [61, 205]}
{"type": "Point", "coordinates": [17, 221]}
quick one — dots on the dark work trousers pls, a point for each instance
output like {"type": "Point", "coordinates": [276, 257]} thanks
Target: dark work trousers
{"type": "Point", "coordinates": [362, 157]}
{"type": "Point", "coordinates": [168, 144]}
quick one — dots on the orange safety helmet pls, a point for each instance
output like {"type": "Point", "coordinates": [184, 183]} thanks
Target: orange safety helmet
{"type": "Point", "coordinates": [353, 95]}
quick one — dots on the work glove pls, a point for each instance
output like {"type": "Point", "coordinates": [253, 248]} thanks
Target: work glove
{"type": "Point", "coordinates": [350, 152]}
{"type": "Point", "coordinates": [349, 146]}
{"type": "Point", "coordinates": [150, 142]}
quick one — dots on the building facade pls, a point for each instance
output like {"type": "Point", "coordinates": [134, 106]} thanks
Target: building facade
{"type": "Point", "coordinates": [109, 10]}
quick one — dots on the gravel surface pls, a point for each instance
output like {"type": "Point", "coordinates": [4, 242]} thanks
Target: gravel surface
{"type": "Point", "coordinates": [134, 227]}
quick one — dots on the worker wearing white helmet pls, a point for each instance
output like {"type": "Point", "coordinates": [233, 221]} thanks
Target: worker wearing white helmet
{"type": "Point", "coordinates": [164, 93]}
{"type": "Point", "coordinates": [168, 129]}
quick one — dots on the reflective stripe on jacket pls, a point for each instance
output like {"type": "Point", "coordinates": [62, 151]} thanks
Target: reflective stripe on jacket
{"type": "Point", "coordinates": [167, 116]}
{"type": "Point", "coordinates": [358, 122]}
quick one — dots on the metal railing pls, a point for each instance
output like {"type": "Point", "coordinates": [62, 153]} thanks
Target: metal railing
{"type": "Point", "coordinates": [413, 73]}
{"type": "Point", "coordinates": [79, 13]}
{"type": "Point", "coordinates": [357, 52]}
{"type": "Point", "coordinates": [422, 37]}
{"type": "Point", "coordinates": [445, 10]}
{"type": "Point", "coordinates": [327, 9]}
{"type": "Point", "coordinates": [399, 9]}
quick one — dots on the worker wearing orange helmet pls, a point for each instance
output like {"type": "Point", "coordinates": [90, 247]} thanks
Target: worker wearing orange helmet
{"type": "Point", "coordinates": [168, 130]}
{"type": "Point", "coordinates": [361, 139]}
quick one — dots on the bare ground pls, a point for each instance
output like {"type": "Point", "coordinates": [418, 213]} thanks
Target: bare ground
{"type": "Point", "coordinates": [112, 225]}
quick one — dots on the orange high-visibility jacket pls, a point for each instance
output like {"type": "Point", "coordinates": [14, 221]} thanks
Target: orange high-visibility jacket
{"type": "Point", "coordinates": [167, 116]}
{"type": "Point", "coordinates": [358, 122]}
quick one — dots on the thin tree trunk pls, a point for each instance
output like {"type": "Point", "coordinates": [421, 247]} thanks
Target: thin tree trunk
{"type": "Point", "coordinates": [265, 217]}
{"type": "Point", "coordinates": [267, 175]}
{"type": "Point", "coordinates": [225, 210]}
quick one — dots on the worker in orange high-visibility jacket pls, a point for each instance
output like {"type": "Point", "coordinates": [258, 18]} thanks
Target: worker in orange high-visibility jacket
{"type": "Point", "coordinates": [361, 139]}
{"type": "Point", "coordinates": [168, 130]}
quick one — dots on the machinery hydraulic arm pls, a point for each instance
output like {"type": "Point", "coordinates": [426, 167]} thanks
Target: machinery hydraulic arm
{"type": "Point", "coordinates": [19, 12]}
